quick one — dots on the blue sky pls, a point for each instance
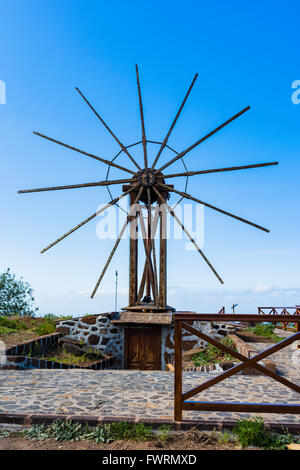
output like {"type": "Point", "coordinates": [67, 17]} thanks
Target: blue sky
{"type": "Point", "coordinates": [244, 53]}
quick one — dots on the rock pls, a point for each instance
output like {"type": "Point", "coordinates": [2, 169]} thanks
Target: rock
{"type": "Point", "coordinates": [93, 340]}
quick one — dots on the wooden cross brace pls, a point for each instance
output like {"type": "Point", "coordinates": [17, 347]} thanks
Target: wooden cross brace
{"type": "Point", "coordinates": [246, 362]}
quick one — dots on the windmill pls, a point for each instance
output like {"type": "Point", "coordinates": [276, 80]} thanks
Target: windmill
{"type": "Point", "coordinates": [148, 188]}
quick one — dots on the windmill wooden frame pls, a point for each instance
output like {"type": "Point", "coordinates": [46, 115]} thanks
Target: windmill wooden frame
{"type": "Point", "coordinates": [147, 189]}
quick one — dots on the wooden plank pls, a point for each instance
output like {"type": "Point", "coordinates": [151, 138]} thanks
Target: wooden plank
{"type": "Point", "coordinates": [162, 298]}
{"type": "Point", "coordinates": [178, 371]}
{"type": "Point", "coordinates": [133, 257]}
{"type": "Point", "coordinates": [227, 317]}
{"type": "Point", "coordinates": [241, 407]}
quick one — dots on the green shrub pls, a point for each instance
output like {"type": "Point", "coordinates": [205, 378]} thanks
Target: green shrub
{"type": "Point", "coordinates": [252, 432]}
{"type": "Point", "coordinates": [164, 433]}
{"type": "Point", "coordinates": [122, 430]}
{"type": "Point", "coordinates": [213, 355]}
{"type": "Point", "coordinates": [13, 323]}
{"type": "Point", "coordinates": [45, 328]}
{"type": "Point", "coordinates": [265, 329]}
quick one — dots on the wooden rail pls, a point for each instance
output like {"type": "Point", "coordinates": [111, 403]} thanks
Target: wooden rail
{"type": "Point", "coordinates": [282, 311]}
{"type": "Point", "coordinates": [184, 322]}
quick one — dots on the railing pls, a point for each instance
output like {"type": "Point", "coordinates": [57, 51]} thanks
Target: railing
{"type": "Point", "coordinates": [295, 326]}
{"type": "Point", "coordinates": [184, 322]}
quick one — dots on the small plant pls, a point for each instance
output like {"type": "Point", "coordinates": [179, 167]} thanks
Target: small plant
{"type": "Point", "coordinates": [252, 432]}
{"type": "Point", "coordinates": [213, 355]}
{"type": "Point", "coordinates": [69, 431]}
{"type": "Point", "coordinates": [164, 433]}
{"type": "Point", "coordinates": [100, 434]}
{"type": "Point", "coordinates": [4, 433]}
{"type": "Point", "coordinates": [227, 438]}
{"type": "Point", "coordinates": [122, 430]}
{"type": "Point", "coordinates": [37, 432]}
{"type": "Point", "coordinates": [46, 328]}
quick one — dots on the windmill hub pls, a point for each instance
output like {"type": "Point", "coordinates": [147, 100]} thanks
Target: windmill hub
{"type": "Point", "coordinates": [147, 177]}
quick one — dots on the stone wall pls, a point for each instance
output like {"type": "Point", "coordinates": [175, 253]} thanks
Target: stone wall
{"type": "Point", "coordinates": [97, 331]}
{"type": "Point", "coordinates": [25, 363]}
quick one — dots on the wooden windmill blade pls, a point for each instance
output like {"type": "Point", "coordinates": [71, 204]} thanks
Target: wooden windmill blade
{"type": "Point", "coordinates": [147, 184]}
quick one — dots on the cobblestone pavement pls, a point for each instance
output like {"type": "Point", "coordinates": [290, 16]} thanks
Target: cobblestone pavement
{"type": "Point", "coordinates": [143, 394]}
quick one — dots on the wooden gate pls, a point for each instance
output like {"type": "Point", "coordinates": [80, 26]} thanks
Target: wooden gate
{"type": "Point", "coordinates": [143, 348]}
{"type": "Point", "coordinates": [184, 321]}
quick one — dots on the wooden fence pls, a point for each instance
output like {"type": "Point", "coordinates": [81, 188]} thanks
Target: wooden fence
{"type": "Point", "coordinates": [184, 321]}
{"type": "Point", "coordinates": [294, 326]}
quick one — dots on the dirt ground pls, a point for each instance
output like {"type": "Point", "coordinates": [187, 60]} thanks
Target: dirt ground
{"type": "Point", "coordinates": [182, 441]}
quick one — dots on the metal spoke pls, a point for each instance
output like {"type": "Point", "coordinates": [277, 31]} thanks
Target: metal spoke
{"type": "Point", "coordinates": [216, 170]}
{"type": "Point", "coordinates": [129, 218]}
{"type": "Point", "coordinates": [188, 235]}
{"type": "Point", "coordinates": [74, 186]}
{"type": "Point", "coordinates": [181, 154]}
{"type": "Point", "coordinates": [85, 153]}
{"type": "Point", "coordinates": [188, 196]}
{"type": "Point", "coordinates": [142, 118]}
{"type": "Point", "coordinates": [111, 203]}
{"type": "Point", "coordinates": [109, 130]}
{"type": "Point", "coordinates": [174, 122]}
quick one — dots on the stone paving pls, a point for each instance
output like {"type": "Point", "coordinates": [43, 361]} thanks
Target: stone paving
{"type": "Point", "coordinates": [140, 394]}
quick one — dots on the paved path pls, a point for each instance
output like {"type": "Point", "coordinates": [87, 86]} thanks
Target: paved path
{"type": "Point", "coordinates": [143, 394]}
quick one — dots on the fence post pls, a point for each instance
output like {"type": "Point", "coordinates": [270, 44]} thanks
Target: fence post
{"type": "Point", "coordinates": [178, 370]}
{"type": "Point", "coordinates": [297, 313]}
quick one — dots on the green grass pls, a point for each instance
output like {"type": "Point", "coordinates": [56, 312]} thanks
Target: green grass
{"type": "Point", "coordinates": [56, 354]}
{"type": "Point", "coordinates": [213, 355]}
{"type": "Point", "coordinates": [46, 328]}
{"type": "Point", "coordinates": [266, 330]}
{"type": "Point", "coordinates": [6, 331]}
{"type": "Point", "coordinates": [14, 324]}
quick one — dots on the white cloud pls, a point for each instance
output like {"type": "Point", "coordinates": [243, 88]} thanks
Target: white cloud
{"type": "Point", "coordinates": [262, 288]}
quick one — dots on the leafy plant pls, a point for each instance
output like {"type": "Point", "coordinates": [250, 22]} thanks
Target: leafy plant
{"type": "Point", "coordinates": [37, 432]}
{"type": "Point", "coordinates": [16, 296]}
{"type": "Point", "coordinates": [100, 434]}
{"type": "Point", "coordinates": [252, 432]}
{"type": "Point", "coordinates": [69, 431]}
{"type": "Point", "coordinates": [213, 355]}
{"type": "Point", "coordinates": [227, 438]}
{"type": "Point", "coordinates": [164, 433]}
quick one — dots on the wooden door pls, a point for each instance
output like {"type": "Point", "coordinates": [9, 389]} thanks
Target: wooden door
{"type": "Point", "coordinates": [143, 348]}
